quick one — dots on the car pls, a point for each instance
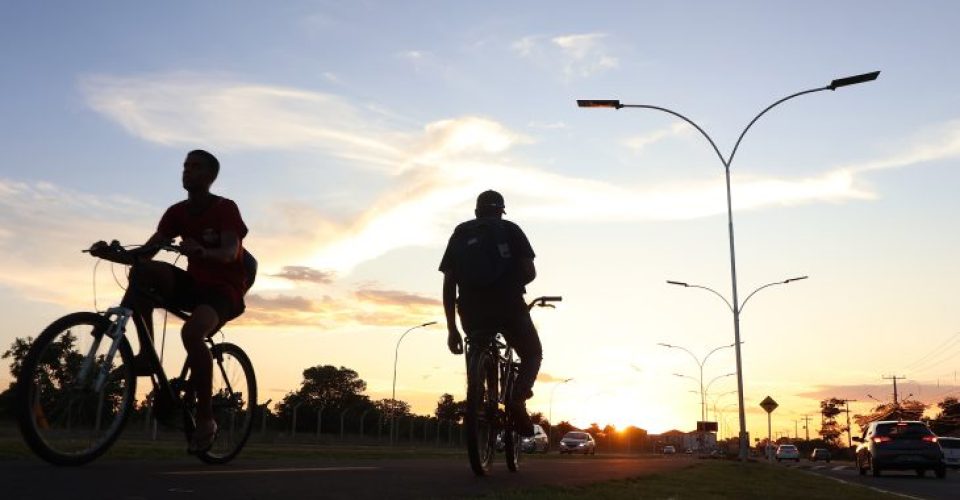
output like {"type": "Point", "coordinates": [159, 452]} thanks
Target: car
{"type": "Point", "coordinates": [787, 452]}
{"type": "Point", "coordinates": [538, 443]}
{"type": "Point", "coordinates": [820, 454]}
{"type": "Point", "coordinates": [578, 442]}
{"type": "Point", "coordinates": [899, 445]}
{"type": "Point", "coordinates": [951, 451]}
{"type": "Point", "coordinates": [669, 450]}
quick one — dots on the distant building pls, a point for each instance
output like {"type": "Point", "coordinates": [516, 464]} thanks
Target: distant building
{"type": "Point", "coordinates": [683, 441]}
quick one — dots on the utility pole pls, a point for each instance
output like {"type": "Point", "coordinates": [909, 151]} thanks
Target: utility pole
{"type": "Point", "coordinates": [846, 404]}
{"type": "Point", "coordinates": [806, 425]}
{"type": "Point", "coordinates": [896, 399]}
{"type": "Point", "coordinates": [796, 429]}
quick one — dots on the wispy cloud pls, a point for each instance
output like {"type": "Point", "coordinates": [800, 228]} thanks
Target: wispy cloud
{"type": "Point", "coordinates": [576, 55]}
{"type": "Point", "coordinates": [436, 170]}
{"type": "Point", "coordinates": [395, 298]}
{"type": "Point", "coordinates": [640, 142]}
{"type": "Point", "coordinates": [363, 307]}
{"type": "Point", "coordinates": [305, 273]}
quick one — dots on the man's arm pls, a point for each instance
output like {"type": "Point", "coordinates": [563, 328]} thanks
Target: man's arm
{"type": "Point", "coordinates": [528, 271]}
{"type": "Point", "coordinates": [454, 341]}
{"type": "Point", "coordinates": [227, 252]}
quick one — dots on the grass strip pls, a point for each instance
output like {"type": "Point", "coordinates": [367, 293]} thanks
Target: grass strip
{"type": "Point", "coordinates": [709, 480]}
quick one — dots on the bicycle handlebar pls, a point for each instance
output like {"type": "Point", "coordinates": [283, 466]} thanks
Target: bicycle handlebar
{"type": "Point", "coordinates": [115, 246]}
{"type": "Point", "coordinates": [545, 301]}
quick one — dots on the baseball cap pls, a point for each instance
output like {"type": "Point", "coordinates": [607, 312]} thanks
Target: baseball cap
{"type": "Point", "coordinates": [491, 199]}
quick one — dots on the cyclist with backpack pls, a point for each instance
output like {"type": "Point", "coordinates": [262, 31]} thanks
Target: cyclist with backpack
{"type": "Point", "coordinates": [212, 287]}
{"type": "Point", "coordinates": [489, 261]}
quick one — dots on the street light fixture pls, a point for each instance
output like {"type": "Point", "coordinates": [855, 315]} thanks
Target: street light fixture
{"type": "Point", "coordinates": [393, 393]}
{"type": "Point", "coordinates": [727, 161]}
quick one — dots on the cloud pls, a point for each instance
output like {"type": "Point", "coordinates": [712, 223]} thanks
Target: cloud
{"type": "Point", "coordinates": [640, 142]}
{"type": "Point", "coordinates": [44, 228]}
{"type": "Point", "coordinates": [396, 298]}
{"type": "Point", "coordinates": [304, 273]}
{"type": "Point", "coordinates": [186, 109]}
{"type": "Point", "coordinates": [434, 171]}
{"type": "Point", "coordinates": [577, 55]}
{"type": "Point", "coordinates": [379, 308]}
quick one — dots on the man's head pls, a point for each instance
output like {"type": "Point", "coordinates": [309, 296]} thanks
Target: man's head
{"type": "Point", "coordinates": [490, 204]}
{"type": "Point", "coordinates": [200, 169]}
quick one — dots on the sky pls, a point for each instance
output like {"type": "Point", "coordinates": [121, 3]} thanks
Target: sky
{"type": "Point", "coordinates": [355, 135]}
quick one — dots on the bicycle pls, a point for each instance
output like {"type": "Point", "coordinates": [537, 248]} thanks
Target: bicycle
{"type": "Point", "coordinates": [491, 376]}
{"type": "Point", "coordinates": [74, 395]}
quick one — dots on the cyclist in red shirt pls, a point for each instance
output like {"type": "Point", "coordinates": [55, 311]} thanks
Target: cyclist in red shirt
{"type": "Point", "coordinates": [211, 289]}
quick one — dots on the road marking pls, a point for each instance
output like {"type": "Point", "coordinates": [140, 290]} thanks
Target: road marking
{"type": "Point", "coordinates": [267, 471]}
{"type": "Point", "coordinates": [840, 467]}
{"type": "Point", "coordinates": [874, 488]}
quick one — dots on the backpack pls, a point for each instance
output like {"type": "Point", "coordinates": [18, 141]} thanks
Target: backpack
{"type": "Point", "coordinates": [482, 252]}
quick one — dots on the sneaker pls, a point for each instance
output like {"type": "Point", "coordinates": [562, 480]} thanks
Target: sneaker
{"type": "Point", "coordinates": [521, 419]}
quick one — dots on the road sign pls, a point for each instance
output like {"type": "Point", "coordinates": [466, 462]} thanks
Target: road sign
{"type": "Point", "coordinates": [706, 426]}
{"type": "Point", "coordinates": [768, 404]}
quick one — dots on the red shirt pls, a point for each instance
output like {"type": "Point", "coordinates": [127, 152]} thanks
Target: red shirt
{"type": "Point", "coordinates": [206, 228]}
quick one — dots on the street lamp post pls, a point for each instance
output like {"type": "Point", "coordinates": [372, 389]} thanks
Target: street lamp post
{"type": "Point", "coordinates": [550, 412]}
{"type": "Point", "coordinates": [735, 307]}
{"type": "Point", "coordinates": [700, 363]}
{"type": "Point", "coordinates": [393, 393]}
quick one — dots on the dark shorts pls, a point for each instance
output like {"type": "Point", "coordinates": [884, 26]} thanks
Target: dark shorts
{"type": "Point", "coordinates": [188, 294]}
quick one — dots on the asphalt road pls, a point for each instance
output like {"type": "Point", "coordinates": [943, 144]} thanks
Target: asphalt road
{"type": "Point", "coordinates": [904, 483]}
{"type": "Point", "coordinates": [277, 479]}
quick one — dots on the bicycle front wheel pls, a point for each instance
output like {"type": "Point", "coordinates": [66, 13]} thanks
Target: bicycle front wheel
{"type": "Point", "coordinates": [74, 390]}
{"type": "Point", "coordinates": [481, 415]}
{"type": "Point", "coordinates": [234, 402]}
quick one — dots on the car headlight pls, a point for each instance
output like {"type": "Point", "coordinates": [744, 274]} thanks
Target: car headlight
{"type": "Point", "coordinates": [582, 444]}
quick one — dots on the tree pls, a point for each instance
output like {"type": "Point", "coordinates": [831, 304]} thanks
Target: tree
{"type": "Point", "coordinates": [948, 419]}
{"type": "Point", "coordinates": [562, 428]}
{"type": "Point", "coordinates": [906, 410]}
{"type": "Point", "coordinates": [387, 407]}
{"type": "Point", "coordinates": [830, 429]}
{"type": "Point", "coordinates": [326, 388]}
{"type": "Point", "coordinates": [537, 418]}
{"type": "Point", "coordinates": [450, 410]}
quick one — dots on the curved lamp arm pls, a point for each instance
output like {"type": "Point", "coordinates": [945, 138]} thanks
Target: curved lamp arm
{"type": "Point", "coordinates": [784, 282]}
{"type": "Point", "coordinates": [711, 290]}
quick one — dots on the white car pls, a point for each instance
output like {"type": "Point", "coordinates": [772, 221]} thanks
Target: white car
{"type": "Point", "coordinates": [578, 442]}
{"type": "Point", "coordinates": [787, 452]}
{"type": "Point", "coordinates": [538, 443]}
{"type": "Point", "coordinates": [951, 451]}
{"type": "Point", "coordinates": [669, 450]}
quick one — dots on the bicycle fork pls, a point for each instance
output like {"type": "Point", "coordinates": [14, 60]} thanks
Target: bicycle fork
{"type": "Point", "coordinates": [115, 333]}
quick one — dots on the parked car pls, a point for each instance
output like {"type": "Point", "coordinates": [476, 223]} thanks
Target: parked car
{"type": "Point", "coordinates": [787, 452]}
{"type": "Point", "coordinates": [538, 443]}
{"type": "Point", "coordinates": [669, 450]}
{"type": "Point", "coordinates": [578, 442]}
{"type": "Point", "coordinates": [820, 454]}
{"type": "Point", "coordinates": [899, 445]}
{"type": "Point", "coordinates": [951, 451]}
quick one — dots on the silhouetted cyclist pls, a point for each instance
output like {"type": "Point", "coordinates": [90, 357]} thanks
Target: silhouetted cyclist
{"type": "Point", "coordinates": [211, 288]}
{"type": "Point", "coordinates": [490, 261]}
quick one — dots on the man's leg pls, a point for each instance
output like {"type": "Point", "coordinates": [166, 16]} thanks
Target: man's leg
{"type": "Point", "coordinates": [157, 278]}
{"type": "Point", "coordinates": [526, 341]}
{"type": "Point", "coordinates": [522, 335]}
{"type": "Point", "coordinates": [198, 327]}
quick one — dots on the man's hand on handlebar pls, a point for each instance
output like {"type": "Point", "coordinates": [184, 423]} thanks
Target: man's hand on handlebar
{"type": "Point", "coordinates": [112, 252]}
{"type": "Point", "coordinates": [191, 248]}
{"type": "Point", "coordinates": [454, 340]}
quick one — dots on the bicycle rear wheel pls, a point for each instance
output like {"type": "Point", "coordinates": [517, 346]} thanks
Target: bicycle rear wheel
{"type": "Point", "coordinates": [68, 414]}
{"type": "Point", "coordinates": [481, 415]}
{"type": "Point", "coordinates": [234, 402]}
